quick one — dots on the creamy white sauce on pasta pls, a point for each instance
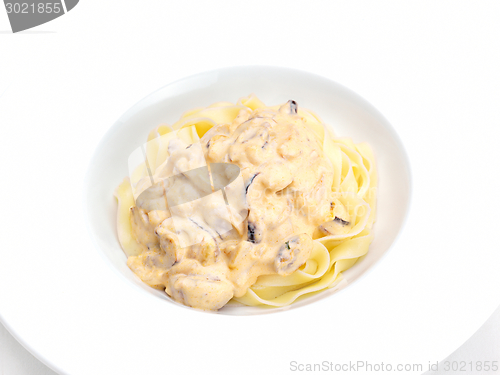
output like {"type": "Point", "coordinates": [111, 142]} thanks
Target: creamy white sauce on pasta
{"type": "Point", "coordinates": [300, 211]}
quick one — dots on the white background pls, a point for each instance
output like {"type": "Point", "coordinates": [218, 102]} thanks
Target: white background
{"type": "Point", "coordinates": [428, 66]}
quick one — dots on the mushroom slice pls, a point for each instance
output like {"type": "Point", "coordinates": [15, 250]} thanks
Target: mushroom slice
{"type": "Point", "coordinates": [289, 107]}
{"type": "Point", "coordinates": [292, 254]}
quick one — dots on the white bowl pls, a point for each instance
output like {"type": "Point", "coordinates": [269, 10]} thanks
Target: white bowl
{"type": "Point", "coordinates": [347, 113]}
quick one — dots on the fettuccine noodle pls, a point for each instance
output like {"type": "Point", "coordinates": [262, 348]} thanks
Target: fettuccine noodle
{"type": "Point", "coordinates": [336, 234]}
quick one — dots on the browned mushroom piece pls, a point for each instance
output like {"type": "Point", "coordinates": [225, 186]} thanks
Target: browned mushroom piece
{"type": "Point", "coordinates": [292, 254]}
{"type": "Point", "coordinates": [337, 226]}
{"type": "Point", "coordinates": [290, 107]}
{"type": "Point", "coordinates": [254, 234]}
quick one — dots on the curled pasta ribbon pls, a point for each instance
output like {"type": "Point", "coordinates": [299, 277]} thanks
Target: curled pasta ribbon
{"type": "Point", "coordinates": [251, 102]}
{"type": "Point", "coordinates": [354, 186]}
{"type": "Point", "coordinates": [370, 196]}
{"type": "Point", "coordinates": [341, 257]}
{"type": "Point", "coordinates": [219, 113]}
{"type": "Point", "coordinates": [358, 210]}
{"type": "Point", "coordinates": [314, 268]}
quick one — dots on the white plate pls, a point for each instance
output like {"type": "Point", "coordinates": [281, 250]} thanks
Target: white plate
{"type": "Point", "coordinates": [88, 314]}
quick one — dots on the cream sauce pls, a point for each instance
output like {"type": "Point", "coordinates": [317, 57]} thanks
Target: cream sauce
{"type": "Point", "coordinates": [288, 183]}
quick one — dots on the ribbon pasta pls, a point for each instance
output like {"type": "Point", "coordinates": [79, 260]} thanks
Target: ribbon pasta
{"type": "Point", "coordinates": [354, 187]}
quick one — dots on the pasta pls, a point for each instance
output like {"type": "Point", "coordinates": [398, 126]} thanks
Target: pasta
{"type": "Point", "coordinates": [304, 253]}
